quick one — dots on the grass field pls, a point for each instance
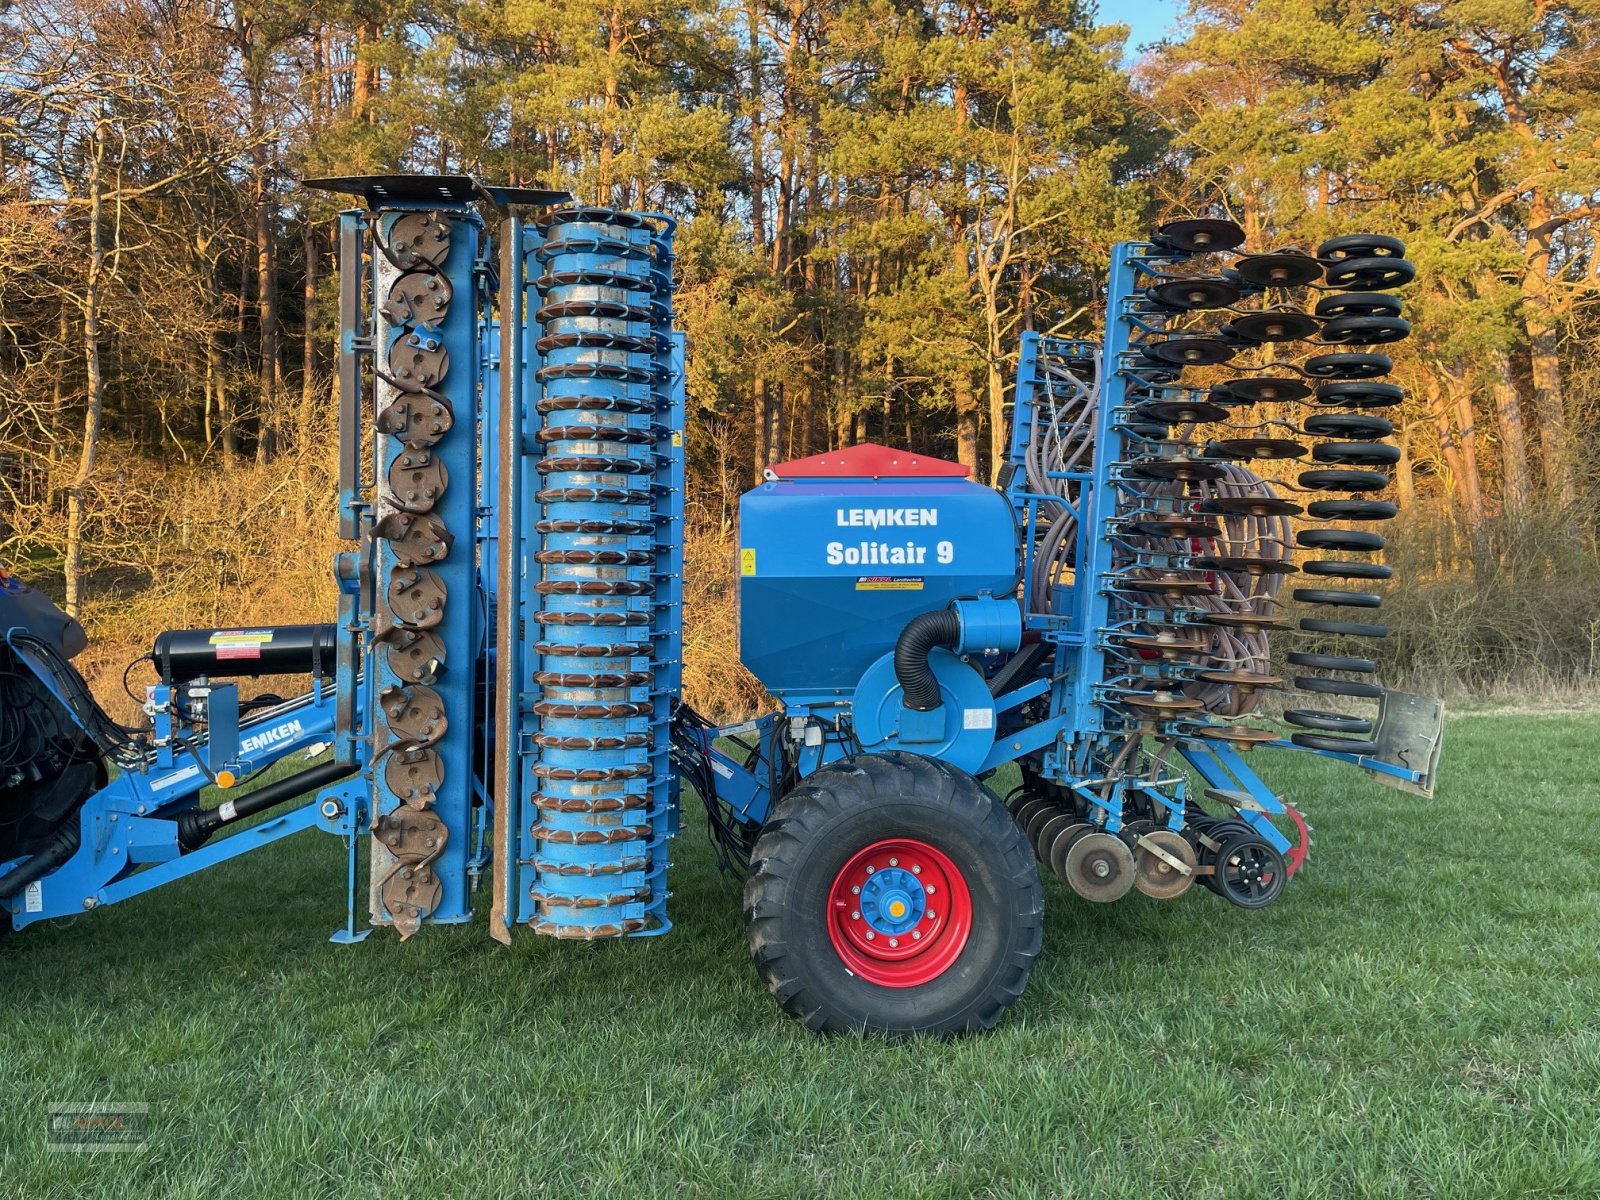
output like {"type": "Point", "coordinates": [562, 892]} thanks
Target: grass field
{"type": "Point", "coordinates": [1419, 1017]}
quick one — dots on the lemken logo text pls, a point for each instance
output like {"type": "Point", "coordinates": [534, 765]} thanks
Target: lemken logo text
{"type": "Point", "coordinates": [270, 737]}
{"type": "Point", "coordinates": [878, 518]}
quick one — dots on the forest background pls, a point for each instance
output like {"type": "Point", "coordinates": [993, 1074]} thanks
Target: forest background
{"type": "Point", "coordinates": [878, 197]}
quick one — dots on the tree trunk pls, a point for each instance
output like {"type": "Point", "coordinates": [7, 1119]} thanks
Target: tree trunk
{"type": "Point", "coordinates": [1460, 395]}
{"type": "Point", "coordinates": [94, 385]}
{"type": "Point", "coordinates": [270, 368]}
{"type": "Point", "coordinates": [308, 349]}
{"type": "Point", "coordinates": [760, 416]}
{"type": "Point", "coordinates": [1539, 318]}
{"type": "Point", "coordinates": [1516, 491]}
{"type": "Point", "coordinates": [1449, 451]}
{"type": "Point", "coordinates": [967, 423]}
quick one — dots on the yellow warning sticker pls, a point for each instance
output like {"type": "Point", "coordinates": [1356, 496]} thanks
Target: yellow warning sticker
{"type": "Point", "coordinates": [747, 561]}
{"type": "Point", "coordinates": [677, 438]}
{"type": "Point", "coordinates": [889, 583]}
{"type": "Point", "coordinates": [236, 636]}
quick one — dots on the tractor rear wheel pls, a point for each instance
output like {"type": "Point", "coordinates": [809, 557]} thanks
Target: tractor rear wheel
{"type": "Point", "coordinates": [893, 893]}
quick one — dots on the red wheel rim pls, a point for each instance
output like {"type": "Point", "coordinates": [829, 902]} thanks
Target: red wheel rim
{"type": "Point", "coordinates": [899, 913]}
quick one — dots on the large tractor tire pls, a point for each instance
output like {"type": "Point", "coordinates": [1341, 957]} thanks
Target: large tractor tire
{"type": "Point", "coordinates": [894, 894]}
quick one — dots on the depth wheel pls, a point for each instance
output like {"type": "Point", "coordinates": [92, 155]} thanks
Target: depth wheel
{"type": "Point", "coordinates": [950, 904]}
{"type": "Point", "coordinates": [1250, 873]}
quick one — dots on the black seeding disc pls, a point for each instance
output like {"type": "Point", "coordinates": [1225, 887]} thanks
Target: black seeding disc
{"type": "Point", "coordinates": [1249, 506]}
{"type": "Point", "coordinates": [1174, 527]}
{"type": "Point", "coordinates": [1348, 366]}
{"type": "Point", "coordinates": [1181, 412]}
{"type": "Point", "coordinates": [1358, 304]}
{"type": "Point", "coordinates": [1252, 448]}
{"type": "Point", "coordinates": [1282, 269]}
{"type": "Point", "coordinates": [1200, 235]}
{"type": "Point", "coordinates": [1268, 389]}
{"type": "Point", "coordinates": [1187, 470]}
{"type": "Point", "coordinates": [1245, 566]}
{"type": "Point", "coordinates": [1275, 325]}
{"type": "Point", "coordinates": [1186, 295]}
{"type": "Point", "coordinates": [1188, 351]}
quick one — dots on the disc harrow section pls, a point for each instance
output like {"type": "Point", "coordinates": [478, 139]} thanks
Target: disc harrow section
{"type": "Point", "coordinates": [607, 500]}
{"type": "Point", "coordinates": [1215, 464]}
{"type": "Point", "coordinates": [422, 657]}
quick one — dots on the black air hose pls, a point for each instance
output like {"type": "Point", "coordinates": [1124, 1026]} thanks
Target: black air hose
{"type": "Point", "coordinates": [63, 845]}
{"type": "Point", "coordinates": [916, 642]}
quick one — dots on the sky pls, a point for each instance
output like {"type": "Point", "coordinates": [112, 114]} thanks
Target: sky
{"type": "Point", "coordinates": [1149, 18]}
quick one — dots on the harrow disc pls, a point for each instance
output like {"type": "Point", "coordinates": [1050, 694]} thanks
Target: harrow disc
{"type": "Point", "coordinates": [1163, 864]}
{"type": "Point", "coordinates": [1099, 867]}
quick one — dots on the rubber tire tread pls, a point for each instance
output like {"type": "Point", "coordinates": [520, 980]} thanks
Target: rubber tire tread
{"type": "Point", "coordinates": [1341, 568]}
{"type": "Point", "coordinates": [1352, 510]}
{"type": "Point", "coordinates": [1358, 688]}
{"type": "Point", "coordinates": [1360, 454]}
{"type": "Point", "coordinates": [846, 806]}
{"type": "Point", "coordinates": [1331, 722]}
{"type": "Point", "coordinates": [1343, 628]}
{"type": "Point", "coordinates": [1331, 662]}
{"type": "Point", "coordinates": [1343, 745]}
{"type": "Point", "coordinates": [1338, 596]}
{"type": "Point", "coordinates": [1340, 539]}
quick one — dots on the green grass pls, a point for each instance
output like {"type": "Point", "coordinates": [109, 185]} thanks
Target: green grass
{"type": "Point", "coordinates": [1420, 1016]}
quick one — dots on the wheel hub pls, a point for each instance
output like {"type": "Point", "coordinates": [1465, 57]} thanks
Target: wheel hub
{"type": "Point", "coordinates": [899, 913]}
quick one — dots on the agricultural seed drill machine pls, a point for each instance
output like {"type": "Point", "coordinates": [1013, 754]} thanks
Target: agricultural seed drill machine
{"type": "Point", "coordinates": [496, 709]}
